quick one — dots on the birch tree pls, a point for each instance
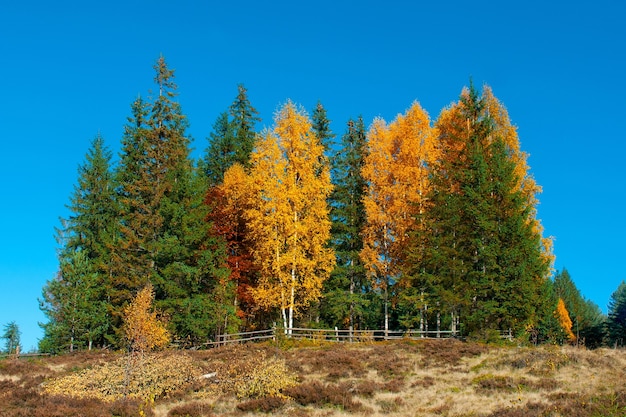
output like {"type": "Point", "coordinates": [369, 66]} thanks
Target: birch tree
{"type": "Point", "coordinates": [289, 217]}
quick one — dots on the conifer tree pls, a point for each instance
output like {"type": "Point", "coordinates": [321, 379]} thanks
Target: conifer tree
{"type": "Point", "coordinates": [483, 258]}
{"type": "Point", "coordinates": [87, 239]}
{"type": "Point", "coordinates": [11, 337]}
{"type": "Point", "coordinates": [165, 239]}
{"type": "Point", "coordinates": [616, 322]}
{"type": "Point", "coordinates": [221, 152]}
{"type": "Point", "coordinates": [588, 320]}
{"type": "Point", "coordinates": [347, 292]}
{"type": "Point", "coordinates": [244, 118]}
{"type": "Point", "coordinates": [288, 218]}
{"type": "Point", "coordinates": [75, 305]}
{"type": "Point", "coordinates": [321, 127]}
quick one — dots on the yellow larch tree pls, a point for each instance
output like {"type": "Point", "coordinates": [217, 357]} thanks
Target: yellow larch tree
{"type": "Point", "coordinates": [564, 320]}
{"type": "Point", "coordinates": [288, 215]}
{"type": "Point", "coordinates": [396, 171]}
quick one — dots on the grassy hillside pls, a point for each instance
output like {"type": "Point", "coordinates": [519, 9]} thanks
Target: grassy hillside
{"type": "Point", "coordinates": [422, 378]}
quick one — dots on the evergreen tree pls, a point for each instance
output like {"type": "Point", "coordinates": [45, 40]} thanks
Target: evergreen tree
{"type": "Point", "coordinates": [588, 320]}
{"type": "Point", "coordinates": [482, 258]}
{"type": "Point", "coordinates": [221, 152]}
{"type": "Point", "coordinates": [244, 118]}
{"type": "Point", "coordinates": [347, 292]}
{"type": "Point", "coordinates": [321, 127]}
{"type": "Point", "coordinates": [11, 336]}
{"type": "Point", "coordinates": [232, 139]}
{"type": "Point", "coordinates": [75, 305]}
{"type": "Point", "coordinates": [164, 236]}
{"type": "Point", "coordinates": [87, 240]}
{"type": "Point", "coordinates": [616, 322]}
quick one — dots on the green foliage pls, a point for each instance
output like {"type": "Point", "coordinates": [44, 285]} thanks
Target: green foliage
{"type": "Point", "coordinates": [616, 323]}
{"type": "Point", "coordinates": [587, 318]}
{"type": "Point", "coordinates": [347, 293]}
{"type": "Point", "coordinates": [11, 336]}
{"type": "Point", "coordinates": [75, 305]}
{"type": "Point", "coordinates": [232, 139]}
{"type": "Point", "coordinates": [478, 255]}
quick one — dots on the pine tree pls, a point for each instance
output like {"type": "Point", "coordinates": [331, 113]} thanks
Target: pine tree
{"type": "Point", "coordinates": [616, 322]}
{"type": "Point", "coordinates": [288, 218]}
{"type": "Point", "coordinates": [347, 292]}
{"type": "Point", "coordinates": [244, 118]}
{"type": "Point", "coordinates": [321, 127]}
{"type": "Point", "coordinates": [75, 305]}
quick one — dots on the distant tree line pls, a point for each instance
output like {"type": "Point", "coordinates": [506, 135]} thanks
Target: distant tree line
{"type": "Point", "coordinates": [410, 224]}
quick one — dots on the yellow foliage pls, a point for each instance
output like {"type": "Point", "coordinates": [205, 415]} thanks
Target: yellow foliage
{"type": "Point", "coordinates": [160, 374]}
{"type": "Point", "coordinates": [288, 214]}
{"type": "Point", "coordinates": [564, 320]}
{"type": "Point", "coordinates": [269, 377]}
{"type": "Point", "coordinates": [142, 329]}
{"type": "Point", "coordinates": [396, 169]}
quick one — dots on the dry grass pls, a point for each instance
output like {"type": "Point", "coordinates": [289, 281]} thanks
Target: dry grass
{"type": "Point", "coordinates": [423, 378]}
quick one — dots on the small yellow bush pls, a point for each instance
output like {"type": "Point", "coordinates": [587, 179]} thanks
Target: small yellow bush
{"type": "Point", "coordinates": [269, 377]}
{"type": "Point", "coordinates": [154, 377]}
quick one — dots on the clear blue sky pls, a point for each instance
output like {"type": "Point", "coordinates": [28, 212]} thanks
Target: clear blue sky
{"type": "Point", "coordinates": [70, 70]}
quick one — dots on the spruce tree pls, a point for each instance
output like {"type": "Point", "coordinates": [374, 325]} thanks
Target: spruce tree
{"type": "Point", "coordinates": [164, 236]}
{"type": "Point", "coordinates": [76, 306]}
{"type": "Point", "coordinates": [588, 320]}
{"type": "Point", "coordinates": [482, 259]}
{"type": "Point", "coordinates": [616, 322]}
{"type": "Point", "coordinates": [347, 293]}
{"type": "Point", "coordinates": [87, 239]}
{"type": "Point", "coordinates": [232, 139]}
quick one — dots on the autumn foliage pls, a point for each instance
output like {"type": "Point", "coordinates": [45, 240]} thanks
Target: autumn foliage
{"type": "Point", "coordinates": [143, 329]}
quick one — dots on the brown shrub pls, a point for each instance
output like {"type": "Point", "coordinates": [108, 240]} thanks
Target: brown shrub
{"type": "Point", "coordinates": [318, 394]}
{"type": "Point", "coordinates": [265, 405]}
{"type": "Point", "coordinates": [192, 409]}
{"type": "Point", "coordinates": [338, 361]}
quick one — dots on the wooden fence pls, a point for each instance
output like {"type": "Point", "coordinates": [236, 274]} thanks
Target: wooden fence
{"type": "Point", "coordinates": [330, 335]}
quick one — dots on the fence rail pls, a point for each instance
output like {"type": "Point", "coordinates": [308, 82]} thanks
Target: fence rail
{"type": "Point", "coordinates": [329, 335]}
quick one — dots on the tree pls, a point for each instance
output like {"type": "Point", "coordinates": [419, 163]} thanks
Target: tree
{"type": "Point", "coordinates": [347, 292]}
{"type": "Point", "coordinates": [395, 170]}
{"type": "Point", "coordinates": [288, 215]}
{"type": "Point", "coordinates": [232, 139]}
{"type": "Point", "coordinates": [482, 255]}
{"type": "Point", "coordinates": [589, 322]}
{"type": "Point", "coordinates": [165, 239]}
{"type": "Point", "coordinates": [616, 322]}
{"type": "Point", "coordinates": [222, 152]}
{"type": "Point", "coordinates": [565, 321]}
{"type": "Point", "coordinates": [11, 336]}
{"type": "Point", "coordinates": [321, 127]}
{"type": "Point", "coordinates": [229, 202]}
{"type": "Point", "coordinates": [75, 304]}
{"type": "Point", "coordinates": [143, 329]}
{"type": "Point", "coordinates": [87, 239]}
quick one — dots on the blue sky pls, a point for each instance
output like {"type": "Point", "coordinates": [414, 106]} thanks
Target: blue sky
{"type": "Point", "coordinates": [70, 70]}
